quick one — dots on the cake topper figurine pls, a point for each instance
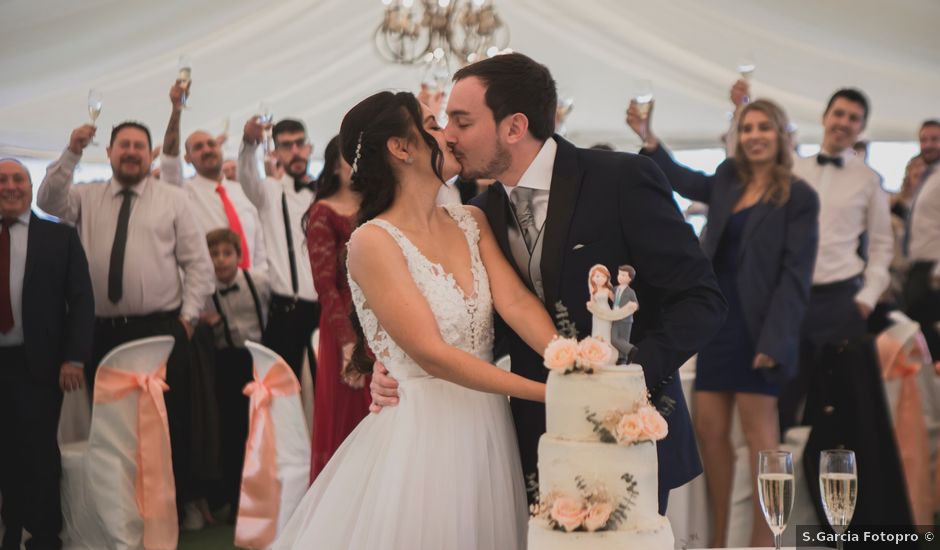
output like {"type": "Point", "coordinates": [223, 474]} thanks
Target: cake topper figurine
{"type": "Point", "coordinates": [612, 310]}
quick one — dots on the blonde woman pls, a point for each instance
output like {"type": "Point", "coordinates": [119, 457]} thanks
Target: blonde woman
{"type": "Point", "coordinates": [761, 237]}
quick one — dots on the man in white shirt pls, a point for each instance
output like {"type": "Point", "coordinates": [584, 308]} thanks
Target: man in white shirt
{"type": "Point", "coordinates": [848, 277]}
{"type": "Point", "coordinates": [294, 311]}
{"type": "Point", "coordinates": [922, 288]}
{"type": "Point", "coordinates": [149, 263]}
{"type": "Point", "coordinates": [216, 200]}
{"type": "Point", "coordinates": [929, 137]}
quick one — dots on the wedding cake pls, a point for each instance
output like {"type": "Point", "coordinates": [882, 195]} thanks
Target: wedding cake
{"type": "Point", "coordinates": [597, 460]}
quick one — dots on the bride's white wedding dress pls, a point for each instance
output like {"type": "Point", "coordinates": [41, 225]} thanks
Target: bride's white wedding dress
{"type": "Point", "coordinates": [441, 469]}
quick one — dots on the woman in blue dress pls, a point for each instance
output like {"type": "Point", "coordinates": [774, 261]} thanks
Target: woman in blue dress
{"type": "Point", "coordinates": [761, 236]}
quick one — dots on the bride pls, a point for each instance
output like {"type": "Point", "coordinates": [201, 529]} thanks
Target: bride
{"type": "Point", "coordinates": [440, 470]}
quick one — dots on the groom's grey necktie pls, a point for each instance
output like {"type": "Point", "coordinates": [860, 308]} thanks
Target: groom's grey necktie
{"type": "Point", "coordinates": [525, 214]}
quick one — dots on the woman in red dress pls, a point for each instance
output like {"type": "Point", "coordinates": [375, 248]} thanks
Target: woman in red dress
{"type": "Point", "coordinates": [341, 397]}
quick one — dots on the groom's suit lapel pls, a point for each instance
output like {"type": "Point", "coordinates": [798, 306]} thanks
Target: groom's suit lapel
{"type": "Point", "coordinates": [497, 213]}
{"type": "Point", "coordinates": [566, 184]}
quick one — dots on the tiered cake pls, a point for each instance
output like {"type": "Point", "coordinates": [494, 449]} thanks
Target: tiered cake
{"type": "Point", "coordinates": [597, 459]}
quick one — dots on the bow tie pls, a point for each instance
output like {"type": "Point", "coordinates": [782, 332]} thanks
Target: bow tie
{"type": "Point", "coordinates": [300, 185]}
{"type": "Point", "coordinates": [224, 291]}
{"type": "Point", "coordinates": [823, 160]}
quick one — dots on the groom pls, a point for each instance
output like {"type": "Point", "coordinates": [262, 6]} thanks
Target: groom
{"type": "Point", "coordinates": [558, 210]}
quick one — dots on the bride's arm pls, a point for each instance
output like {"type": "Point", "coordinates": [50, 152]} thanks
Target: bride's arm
{"type": "Point", "coordinates": [379, 268]}
{"type": "Point", "coordinates": [521, 309]}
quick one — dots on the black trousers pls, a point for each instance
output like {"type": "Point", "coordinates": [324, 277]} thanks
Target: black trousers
{"type": "Point", "coordinates": [110, 333]}
{"type": "Point", "coordinates": [290, 325]}
{"type": "Point", "coordinates": [832, 316]}
{"type": "Point", "coordinates": [232, 371]}
{"type": "Point", "coordinates": [30, 464]}
{"type": "Point", "coordinates": [922, 304]}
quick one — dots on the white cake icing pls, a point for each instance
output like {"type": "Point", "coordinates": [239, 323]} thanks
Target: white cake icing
{"type": "Point", "coordinates": [609, 388]}
{"type": "Point", "coordinates": [576, 451]}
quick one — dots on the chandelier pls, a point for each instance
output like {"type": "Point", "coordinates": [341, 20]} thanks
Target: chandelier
{"type": "Point", "coordinates": [439, 32]}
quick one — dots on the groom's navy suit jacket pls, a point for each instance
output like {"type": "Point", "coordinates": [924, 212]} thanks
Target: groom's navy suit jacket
{"type": "Point", "coordinates": [612, 209]}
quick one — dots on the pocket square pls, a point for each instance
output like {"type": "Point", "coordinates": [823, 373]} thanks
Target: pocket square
{"type": "Point", "coordinates": [578, 246]}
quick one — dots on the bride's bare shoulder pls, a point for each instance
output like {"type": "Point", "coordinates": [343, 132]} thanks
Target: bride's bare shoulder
{"type": "Point", "coordinates": [372, 248]}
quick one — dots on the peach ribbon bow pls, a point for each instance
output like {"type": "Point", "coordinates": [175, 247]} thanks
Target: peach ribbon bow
{"type": "Point", "coordinates": [259, 502]}
{"type": "Point", "coordinates": [899, 361]}
{"type": "Point", "coordinates": [155, 485]}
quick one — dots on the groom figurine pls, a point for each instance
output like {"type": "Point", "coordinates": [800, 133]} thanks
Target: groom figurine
{"type": "Point", "coordinates": [620, 330]}
{"type": "Point", "coordinates": [558, 210]}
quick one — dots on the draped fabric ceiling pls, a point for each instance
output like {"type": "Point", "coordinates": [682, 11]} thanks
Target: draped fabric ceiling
{"type": "Point", "coordinates": [313, 59]}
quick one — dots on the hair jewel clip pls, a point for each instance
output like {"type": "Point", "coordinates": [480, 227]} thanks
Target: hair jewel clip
{"type": "Point", "coordinates": [355, 164]}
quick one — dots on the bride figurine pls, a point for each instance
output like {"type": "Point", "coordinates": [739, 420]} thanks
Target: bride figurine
{"type": "Point", "coordinates": [602, 294]}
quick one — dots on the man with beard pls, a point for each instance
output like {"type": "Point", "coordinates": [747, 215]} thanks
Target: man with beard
{"type": "Point", "coordinates": [294, 312]}
{"type": "Point", "coordinates": [216, 200]}
{"type": "Point", "coordinates": [558, 210]}
{"type": "Point", "coordinates": [922, 242]}
{"type": "Point", "coordinates": [149, 263]}
{"type": "Point", "coordinates": [47, 313]}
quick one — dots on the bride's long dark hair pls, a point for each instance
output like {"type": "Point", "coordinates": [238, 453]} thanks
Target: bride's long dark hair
{"type": "Point", "coordinates": [364, 134]}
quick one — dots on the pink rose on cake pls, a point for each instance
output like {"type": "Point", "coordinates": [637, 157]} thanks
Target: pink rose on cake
{"type": "Point", "coordinates": [597, 516]}
{"type": "Point", "coordinates": [594, 353]}
{"type": "Point", "coordinates": [654, 425]}
{"type": "Point", "coordinates": [568, 512]}
{"type": "Point", "coordinates": [629, 428]}
{"type": "Point", "coordinates": [561, 354]}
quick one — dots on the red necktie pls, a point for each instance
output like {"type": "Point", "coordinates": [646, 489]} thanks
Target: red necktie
{"type": "Point", "coordinates": [6, 310]}
{"type": "Point", "coordinates": [235, 225]}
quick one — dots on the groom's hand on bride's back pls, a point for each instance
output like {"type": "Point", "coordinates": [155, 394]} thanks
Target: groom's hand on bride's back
{"type": "Point", "coordinates": [384, 389]}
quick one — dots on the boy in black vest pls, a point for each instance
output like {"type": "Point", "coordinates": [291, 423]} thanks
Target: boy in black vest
{"type": "Point", "coordinates": [236, 313]}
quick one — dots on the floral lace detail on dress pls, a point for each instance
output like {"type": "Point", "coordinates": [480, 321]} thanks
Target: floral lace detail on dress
{"type": "Point", "coordinates": [465, 322]}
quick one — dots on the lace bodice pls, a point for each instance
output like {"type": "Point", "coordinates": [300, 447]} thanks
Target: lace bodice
{"type": "Point", "coordinates": [465, 322]}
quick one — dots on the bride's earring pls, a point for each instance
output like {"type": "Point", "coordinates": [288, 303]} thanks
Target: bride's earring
{"type": "Point", "coordinates": [410, 160]}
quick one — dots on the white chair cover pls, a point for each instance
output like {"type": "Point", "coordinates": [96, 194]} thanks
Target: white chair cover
{"type": "Point", "coordinates": [99, 503]}
{"type": "Point", "coordinates": [291, 438]}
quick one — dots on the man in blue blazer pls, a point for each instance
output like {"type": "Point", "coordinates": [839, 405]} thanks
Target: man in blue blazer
{"type": "Point", "coordinates": [47, 312]}
{"type": "Point", "coordinates": [557, 211]}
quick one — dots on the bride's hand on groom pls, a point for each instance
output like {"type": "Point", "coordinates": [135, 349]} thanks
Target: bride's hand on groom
{"type": "Point", "coordinates": [384, 389]}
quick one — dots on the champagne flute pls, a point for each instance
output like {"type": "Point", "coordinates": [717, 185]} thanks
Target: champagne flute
{"type": "Point", "coordinates": [775, 487]}
{"type": "Point", "coordinates": [746, 65]}
{"type": "Point", "coordinates": [185, 76]}
{"type": "Point", "coordinates": [838, 484]}
{"type": "Point", "coordinates": [265, 118]}
{"type": "Point", "coordinates": [562, 111]}
{"type": "Point", "coordinates": [643, 95]}
{"type": "Point", "coordinates": [95, 101]}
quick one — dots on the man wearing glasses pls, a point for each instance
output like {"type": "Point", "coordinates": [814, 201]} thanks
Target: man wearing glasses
{"type": "Point", "coordinates": [282, 202]}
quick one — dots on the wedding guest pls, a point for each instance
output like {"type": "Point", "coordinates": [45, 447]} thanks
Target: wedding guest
{"type": "Point", "coordinates": [861, 150]}
{"type": "Point", "coordinates": [216, 200]}
{"type": "Point", "coordinates": [922, 248]}
{"type": "Point", "coordinates": [229, 167]}
{"type": "Point", "coordinates": [850, 272]}
{"type": "Point", "coordinates": [149, 264]}
{"type": "Point", "coordinates": [929, 137]}
{"type": "Point", "coordinates": [282, 202]}
{"type": "Point", "coordinates": [340, 398]}
{"type": "Point", "coordinates": [761, 237]}
{"type": "Point", "coordinates": [236, 313]}
{"type": "Point", "coordinates": [46, 319]}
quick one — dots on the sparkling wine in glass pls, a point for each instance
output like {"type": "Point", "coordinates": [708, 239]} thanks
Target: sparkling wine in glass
{"type": "Point", "coordinates": [266, 118]}
{"type": "Point", "coordinates": [95, 101]}
{"type": "Point", "coordinates": [838, 485]}
{"type": "Point", "coordinates": [775, 487]}
{"type": "Point", "coordinates": [643, 95]}
{"type": "Point", "coordinates": [746, 65]}
{"type": "Point", "coordinates": [185, 76]}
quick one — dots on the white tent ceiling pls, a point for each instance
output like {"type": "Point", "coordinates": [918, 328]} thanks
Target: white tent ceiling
{"type": "Point", "coordinates": [313, 59]}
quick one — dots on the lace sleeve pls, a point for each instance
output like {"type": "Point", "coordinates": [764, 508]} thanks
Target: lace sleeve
{"type": "Point", "coordinates": [324, 247]}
